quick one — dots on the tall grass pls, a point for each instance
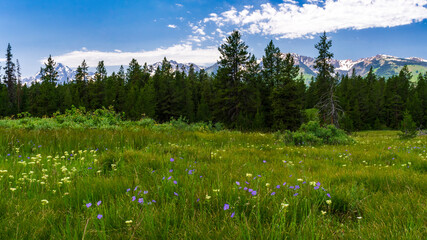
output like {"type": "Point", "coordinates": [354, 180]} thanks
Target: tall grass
{"type": "Point", "coordinates": [376, 186]}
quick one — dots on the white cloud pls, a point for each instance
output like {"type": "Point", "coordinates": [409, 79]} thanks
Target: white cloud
{"type": "Point", "coordinates": [179, 5]}
{"type": "Point", "coordinates": [290, 20]}
{"type": "Point", "coordinates": [184, 53]}
{"type": "Point", "coordinates": [172, 26]}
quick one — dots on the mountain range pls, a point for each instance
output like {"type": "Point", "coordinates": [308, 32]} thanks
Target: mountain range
{"type": "Point", "coordinates": [383, 66]}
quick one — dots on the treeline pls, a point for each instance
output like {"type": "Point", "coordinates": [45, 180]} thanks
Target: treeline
{"type": "Point", "coordinates": [241, 95]}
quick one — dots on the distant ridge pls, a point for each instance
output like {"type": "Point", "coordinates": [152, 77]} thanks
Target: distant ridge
{"type": "Point", "coordinates": [383, 66]}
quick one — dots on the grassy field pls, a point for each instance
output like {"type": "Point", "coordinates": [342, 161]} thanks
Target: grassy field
{"type": "Point", "coordinates": [148, 184]}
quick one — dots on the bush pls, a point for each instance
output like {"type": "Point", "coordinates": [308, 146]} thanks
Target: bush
{"type": "Point", "coordinates": [312, 133]}
{"type": "Point", "coordinates": [408, 127]}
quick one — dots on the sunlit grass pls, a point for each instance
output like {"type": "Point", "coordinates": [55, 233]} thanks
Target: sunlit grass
{"type": "Point", "coordinates": [192, 185]}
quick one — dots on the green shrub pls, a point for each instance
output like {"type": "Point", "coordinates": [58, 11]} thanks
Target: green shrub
{"type": "Point", "coordinates": [408, 127]}
{"type": "Point", "coordinates": [312, 133]}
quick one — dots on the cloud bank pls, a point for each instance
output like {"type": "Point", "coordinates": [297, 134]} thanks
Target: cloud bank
{"type": "Point", "coordinates": [184, 53]}
{"type": "Point", "coordinates": [292, 20]}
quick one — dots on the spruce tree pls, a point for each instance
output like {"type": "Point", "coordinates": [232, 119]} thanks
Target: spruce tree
{"type": "Point", "coordinates": [48, 102]}
{"type": "Point", "coordinates": [233, 60]}
{"type": "Point", "coordinates": [9, 79]}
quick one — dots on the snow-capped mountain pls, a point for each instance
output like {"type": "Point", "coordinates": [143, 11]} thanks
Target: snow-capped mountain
{"type": "Point", "coordinates": [175, 65]}
{"type": "Point", "coordinates": [65, 74]}
{"type": "Point", "coordinates": [383, 66]}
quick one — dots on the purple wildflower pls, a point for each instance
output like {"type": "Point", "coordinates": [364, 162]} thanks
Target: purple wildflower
{"type": "Point", "coordinates": [176, 194]}
{"type": "Point", "coordinates": [141, 200]}
{"type": "Point", "coordinates": [89, 168]}
{"type": "Point", "coordinates": [175, 182]}
{"type": "Point", "coordinates": [145, 192]}
{"type": "Point", "coordinates": [259, 175]}
{"type": "Point", "coordinates": [88, 205]}
{"type": "Point", "coordinates": [198, 200]}
{"type": "Point", "coordinates": [135, 188]}
{"type": "Point", "coordinates": [226, 206]}
{"type": "Point", "coordinates": [172, 159]}
{"type": "Point", "coordinates": [171, 170]}
{"type": "Point", "coordinates": [278, 186]}
{"type": "Point", "coordinates": [133, 198]}
{"type": "Point", "coordinates": [169, 178]}
{"type": "Point", "coordinates": [315, 188]}
{"type": "Point", "coordinates": [264, 161]}
{"type": "Point", "coordinates": [128, 190]}
{"type": "Point", "coordinates": [98, 203]}
{"type": "Point", "coordinates": [237, 183]}
{"type": "Point", "coordinates": [154, 201]}
{"type": "Point", "coordinates": [296, 194]}
{"type": "Point", "coordinates": [245, 188]}
{"type": "Point", "coordinates": [284, 183]}
{"type": "Point", "coordinates": [329, 195]}
{"type": "Point", "coordinates": [250, 190]}
{"type": "Point", "coordinates": [297, 187]}
{"type": "Point", "coordinates": [273, 193]}
{"type": "Point", "coordinates": [99, 216]}
{"type": "Point", "coordinates": [253, 193]}
{"type": "Point", "coordinates": [232, 215]}
{"type": "Point", "coordinates": [291, 186]}
{"type": "Point", "coordinates": [318, 183]}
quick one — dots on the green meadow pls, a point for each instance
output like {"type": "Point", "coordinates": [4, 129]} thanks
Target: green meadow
{"type": "Point", "coordinates": [173, 183]}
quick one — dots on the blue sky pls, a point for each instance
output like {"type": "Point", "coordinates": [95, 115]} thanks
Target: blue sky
{"type": "Point", "coordinates": [191, 30]}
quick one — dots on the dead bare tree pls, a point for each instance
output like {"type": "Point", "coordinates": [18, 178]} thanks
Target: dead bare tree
{"type": "Point", "coordinates": [329, 106]}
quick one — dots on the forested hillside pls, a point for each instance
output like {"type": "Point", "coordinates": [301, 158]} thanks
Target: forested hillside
{"type": "Point", "coordinates": [241, 94]}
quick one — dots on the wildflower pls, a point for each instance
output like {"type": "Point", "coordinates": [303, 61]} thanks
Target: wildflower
{"type": "Point", "coordinates": [315, 188]}
{"type": "Point", "coordinates": [297, 187]}
{"type": "Point", "coordinates": [245, 188]}
{"type": "Point", "coordinates": [253, 193]}
{"type": "Point", "coordinates": [237, 183]}
{"type": "Point", "coordinates": [248, 175]}
{"type": "Point", "coordinates": [135, 188]}
{"type": "Point", "coordinates": [300, 180]}
{"type": "Point", "coordinates": [128, 190]}
{"type": "Point", "coordinates": [175, 182]}
{"type": "Point", "coordinates": [12, 189]}
{"type": "Point", "coordinates": [273, 193]}
{"type": "Point", "coordinates": [267, 184]}
{"type": "Point", "coordinates": [88, 205]}
{"type": "Point", "coordinates": [172, 159]}
{"type": "Point", "coordinates": [176, 194]}
{"type": "Point", "coordinates": [98, 203]}
{"type": "Point", "coordinates": [44, 202]}
{"type": "Point", "coordinates": [359, 218]}
{"type": "Point", "coordinates": [128, 222]}
{"type": "Point", "coordinates": [145, 192]}
{"type": "Point", "coordinates": [171, 170]}
{"type": "Point", "coordinates": [99, 216]}
{"type": "Point", "coordinates": [284, 183]}
{"type": "Point", "coordinates": [250, 190]}
{"type": "Point", "coordinates": [264, 161]}
{"type": "Point", "coordinates": [278, 186]}
{"type": "Point", "coordinates": [141, 200]}
{"type": "Point", "coordinates": [328, 202]}
{"type": "Point", "coordinates": [232, 215]}
{"type": "Point", "coordinates": [133, 198]}
{"type": "Point", "coordinates": [226, 206]}
{"type": "Point", "coordinates": [284, 205]}
{"type": "Point", "coordinates": [329, 195]}
{"type": "Point", "coordinates": [215, 190]}
{"type": "Point", "coordinates": [323, 212]}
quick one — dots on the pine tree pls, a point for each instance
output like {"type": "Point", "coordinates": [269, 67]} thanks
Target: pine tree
{"type": "Point", "coordinates": [10, 80]}
{"type": "Point", "coordinates": [48, 102]}
{"type": "Point", "coordinates": [286, 101]}
{"type": "Point", "coordinates": [82, 85]}
{"type": "Point", "coordinates": [326, 83]}
{"type": "Point", "coordinates": [19, 104]}
{"type": "Point", "coordinates": [233, 59]}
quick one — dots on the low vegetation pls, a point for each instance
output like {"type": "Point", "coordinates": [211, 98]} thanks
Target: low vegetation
{"type": "Point", "coordinates": [145, 183]}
